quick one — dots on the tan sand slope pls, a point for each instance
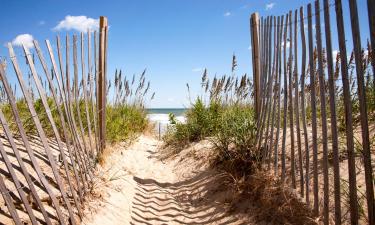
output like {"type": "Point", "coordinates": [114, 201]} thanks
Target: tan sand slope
{"type": "Point", "coordinates": [136, 186]}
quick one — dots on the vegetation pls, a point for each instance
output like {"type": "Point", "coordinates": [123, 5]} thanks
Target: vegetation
{"type": "Point", "coordinates": [201, 122]}
{"type": "Point", "coordinates": [224, 112]}
{"type": "Point", "coordinates": [125, 114]}
{"type": "Point", "coordinates": [369, 87]}
{"type": "Point", "coordinates": [225, 115]}
{"type": "Point", "coordinates": [124, 121]}
{"type": "Point", "coordinates": [27, 119]}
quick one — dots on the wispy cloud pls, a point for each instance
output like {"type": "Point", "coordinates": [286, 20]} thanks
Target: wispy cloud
{"type": "Point", "coordinates": [270, 6]}
{"type": "Point", "coordinates": [78, 23]}
{"type": "Point", "coordinates": [41, 22]}
{"type": "Point", "coordinates": [24, 39]}
{"type": "Point", "coordinates": [196, 70]}
{"type": "Point", "coordinates": [245, 6]}
{"type": "Point", "coordinates": [226, 14]}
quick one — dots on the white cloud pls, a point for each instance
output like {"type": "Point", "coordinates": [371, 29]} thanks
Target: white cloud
{"type": "Point", "coordinates": [249, 47]}
{"type": "Point", "coordinates": [198, 69]}
{"type": "Point", "coordinates": [41, 23]}
{"type": "Point", "coordinates": [25, 39]}
{"type": "Point", "coordinates": [227, 14]}
{"type": "Point", "coordinates": [79, 23]}
{"type": "Point", "coordinates": [270, 5]}
{"type": "Point", "coordinates": [244, 7]}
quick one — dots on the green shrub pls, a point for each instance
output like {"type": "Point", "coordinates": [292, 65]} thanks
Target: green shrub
{"type": "Point", "coordinates": [201, 122]}
{"type": "Point", "coordinates": [27, 120]}
{"type": "Point", "coordinates": [235, 141]}
{"type": "Point", "coordinates": [123, 121]}
{"type": "Point", "coordinates": [125, 115]}
{"type": "Point", "coordinates": [236, 131]}
{"type": "Point", "coordinates": [231, 128]}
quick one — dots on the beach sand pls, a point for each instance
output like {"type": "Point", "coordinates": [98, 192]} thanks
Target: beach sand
{"type": "Point", "coordinates": [144, 184]}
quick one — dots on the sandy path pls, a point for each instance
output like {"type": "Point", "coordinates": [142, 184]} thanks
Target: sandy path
{"type": "Point", "coordinates": [136, 187]}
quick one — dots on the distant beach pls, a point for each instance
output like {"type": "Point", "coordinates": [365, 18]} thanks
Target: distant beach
{"type": "Point", "coordinates": [160, 117]}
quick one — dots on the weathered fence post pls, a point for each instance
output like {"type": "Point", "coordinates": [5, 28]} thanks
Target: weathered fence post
{"type": "Point", "coordinates": [103, 29]}
{"type": "Point", "coordinates": [254, 26]}
{"type": "Point", "coordinates": [371, 18]}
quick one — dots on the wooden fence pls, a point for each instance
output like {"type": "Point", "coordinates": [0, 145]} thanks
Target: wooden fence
{"type": "Point", "coordinates": [317, 134]}
{"type": "Point", "coordinates": [50, 154]}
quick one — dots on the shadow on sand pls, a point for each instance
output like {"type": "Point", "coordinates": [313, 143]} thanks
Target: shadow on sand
{"type": "Point", "coordinates": [202, 199]}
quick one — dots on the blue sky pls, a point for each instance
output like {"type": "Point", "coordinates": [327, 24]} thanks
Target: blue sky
{"type": "Point", "coordinates": [173, 39]}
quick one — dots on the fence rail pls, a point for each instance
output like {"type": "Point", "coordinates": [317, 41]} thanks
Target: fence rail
{"type": "Point", "coordinates": [325, 149]}
{"type": "Point", "coordinates": [50, 156]}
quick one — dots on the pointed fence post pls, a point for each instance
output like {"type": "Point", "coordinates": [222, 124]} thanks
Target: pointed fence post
{"type": "Point", "coordinates": [254, 31]}
{"type": "Point", "coordinates": [101, 95]}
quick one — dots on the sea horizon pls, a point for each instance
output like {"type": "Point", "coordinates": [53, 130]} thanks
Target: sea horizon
{"type": "Point", "coordinates": [160, 117]}
{"type": "Point", "coordinates": [175, 111]}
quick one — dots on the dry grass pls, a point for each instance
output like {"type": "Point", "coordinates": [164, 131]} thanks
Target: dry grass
{"type": "Point", "coordinates": [274, 202]}
{"type": "Point", "coordinates": [112, 147]}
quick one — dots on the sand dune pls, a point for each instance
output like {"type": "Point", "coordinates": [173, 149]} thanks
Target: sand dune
{"type": "Point", "coordinates": [139, 185]}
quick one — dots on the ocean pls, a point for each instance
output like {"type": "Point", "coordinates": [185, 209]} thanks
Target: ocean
{"type": "Point", "coordinates": [175, 111]}
{"type": "Point", "coordinates": [160, 117]}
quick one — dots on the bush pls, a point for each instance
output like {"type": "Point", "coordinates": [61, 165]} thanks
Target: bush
{"type": "Point", "coordinates": [201, 122]}
{"type": "Point", "coordinates": [125, 115]}
{"type": "Point", "coordinates": [236, 130]}
{"type": "Point", "coordinates": [123, 121]}
{"type": "Point", "coordinates": [227, 119]}
{"type": "Point", "coordinates": [235, 141]}
{"type": "Point", "coordinates": [27, 120]}
{"type": "Point", "coordinates": [231, 128]}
